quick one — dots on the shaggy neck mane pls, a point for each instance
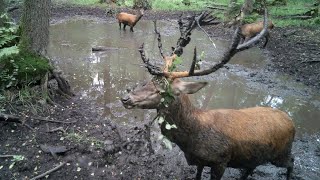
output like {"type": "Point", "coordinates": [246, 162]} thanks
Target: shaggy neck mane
{"type": "Point", "coordinates": [180, 112]}
{"type": "Point", "coordinates": [138, 17]}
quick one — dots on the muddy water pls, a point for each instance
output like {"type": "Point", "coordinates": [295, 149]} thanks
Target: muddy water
{"type": "Point", "coordinates": [104, 76]}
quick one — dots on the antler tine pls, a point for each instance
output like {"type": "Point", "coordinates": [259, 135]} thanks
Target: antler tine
{"type": "Point", "coordinates": [154, 70]}
{"type": "Point", "coordinates": [159, 39]}
{"type": "Point", "coordinates": [191, 71]}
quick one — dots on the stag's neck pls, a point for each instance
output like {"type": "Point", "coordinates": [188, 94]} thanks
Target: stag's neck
{"type": "Point", "coordinates": [138, 17]}
{"type": "Point", "coordinates": [181, 112]}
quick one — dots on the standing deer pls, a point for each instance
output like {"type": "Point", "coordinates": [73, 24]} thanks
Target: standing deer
{"type": "Point", "coordinates": [218, 138]}
{"type": "Point", "coordinates": [129, 19]}
{"type": "Point", "coordinates": [250, 30]}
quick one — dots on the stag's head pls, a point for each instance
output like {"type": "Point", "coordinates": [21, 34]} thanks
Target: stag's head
{"type": "Point", "coordinates": [167, 84]}
{"type": "Point", "coordinates": [160, 90]}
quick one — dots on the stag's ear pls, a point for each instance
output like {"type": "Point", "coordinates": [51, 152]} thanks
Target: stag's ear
{"type": "Point", "coordinates": [187, 87]}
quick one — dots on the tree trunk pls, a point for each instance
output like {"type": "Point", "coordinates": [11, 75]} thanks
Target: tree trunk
{"type": "Point", "coordinates": [35, 26]}
{"type": "Point", "coordinates": [145, 4]}
{"type": "Point", "coordinates": [2, 9]}
{"type": "Point", "coordinates": [247, 7]}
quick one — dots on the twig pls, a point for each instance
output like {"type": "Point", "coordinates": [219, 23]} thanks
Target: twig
{"type": "Point", "coordinates": [29, 127]}
{"type": "Point", "coordinates": [311, 61]}
{"type": "Point", "coordinates": [49, 120]}
{"type": "Point", "coordinates": [13, 118]}
{"type": "Point", "coordinates": [7, 156]}
{"type": "Point", "coordinates": [56, 129]}
{"type": "Point", "coordinates": [205, 32]}
{"type": "Point", "coordinates": [48, 172]}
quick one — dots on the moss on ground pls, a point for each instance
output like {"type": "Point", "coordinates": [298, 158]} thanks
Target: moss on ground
{"type": "Point", "coordinates": [23, 69]}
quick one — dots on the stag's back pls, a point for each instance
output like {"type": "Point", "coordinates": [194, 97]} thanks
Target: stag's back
{"type": "Point", "coordinates": [250, 30]}
{"type": "Point", "coordinates": [126, 18]}
{"type": "Point", "coordinates": [253, 135]}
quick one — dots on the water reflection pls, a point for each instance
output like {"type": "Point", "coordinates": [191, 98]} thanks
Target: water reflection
{"type": "Point", "coordinates": [104, 76]}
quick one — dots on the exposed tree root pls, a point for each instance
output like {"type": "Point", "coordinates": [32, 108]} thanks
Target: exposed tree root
{"type": "Point", "coordinates": [63, 84]}
{"type": "Point", "coordinates": [48, 172]}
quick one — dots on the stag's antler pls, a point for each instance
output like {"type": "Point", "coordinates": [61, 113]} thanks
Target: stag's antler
{"type": "Point", "coordinates": [186, 29]}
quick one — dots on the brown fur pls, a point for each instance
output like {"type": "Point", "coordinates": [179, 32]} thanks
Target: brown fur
{"type": "Point", "coordinates": [223, 138]}
{"type": "Point", "coordinates": [129, 19]}
{"type": "Point", "coordinates": [244, 138]}
{"type": "Point", "coordinates": [250, 30]}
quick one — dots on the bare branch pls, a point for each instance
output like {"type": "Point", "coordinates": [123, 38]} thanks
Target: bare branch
{"type": "Point", "coordinates": [49, 171]}
{"type": "Point", "coordinates": [205, 32]}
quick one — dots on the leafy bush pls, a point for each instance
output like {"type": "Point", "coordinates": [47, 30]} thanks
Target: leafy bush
{"type": "Point", "coordinates": [251, 18]}
{"type": "Point", "coordinates": [17, 67]}
{"type": "Point", "coordinates": [8, 37]}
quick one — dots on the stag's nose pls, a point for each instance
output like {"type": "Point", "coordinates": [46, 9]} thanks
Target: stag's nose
{"type": "Point", "coordinates": [125, 99]}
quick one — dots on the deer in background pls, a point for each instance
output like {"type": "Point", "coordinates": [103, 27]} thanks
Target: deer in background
{"type": "Point", "coordinates": [218, 138]}
{"type": "Point", "coordinates": [129, 19]}
{"type": "Point", "coordinates": [250, 30]}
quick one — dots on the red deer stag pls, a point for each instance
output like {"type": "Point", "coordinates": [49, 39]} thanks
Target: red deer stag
{"type": "Point", "coordinates": [129, 19]}
{"type": "Point", "coordinates": [250, 30]}
{"type": "Point", "coordinates": [220, 138]}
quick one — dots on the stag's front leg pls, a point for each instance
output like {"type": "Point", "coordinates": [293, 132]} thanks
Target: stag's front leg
{"type": "Point", "coordinates": [217, 171]}
{"type": "Point", "coordinates": [245, 173]}
{"type": "Point", "coordinates": [199, 172]}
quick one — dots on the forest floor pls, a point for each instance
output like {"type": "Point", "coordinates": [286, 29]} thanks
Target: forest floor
{"type": "Point", "coordinates": [92, 147]}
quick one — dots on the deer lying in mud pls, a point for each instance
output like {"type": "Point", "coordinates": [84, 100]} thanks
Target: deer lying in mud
{"type": "Point", "coordinates": [219, 138]}
{"type": "Point", "coordinates": [250, 30]}
{"type": "Point", "coordinates": [129, 19]}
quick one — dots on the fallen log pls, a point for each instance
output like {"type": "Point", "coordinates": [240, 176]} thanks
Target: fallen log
{"type": "Point", "coordinates": [103, 48]}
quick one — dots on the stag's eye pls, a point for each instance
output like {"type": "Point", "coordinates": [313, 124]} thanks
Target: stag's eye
{"type": "Point", "coordinates": [144, 83]}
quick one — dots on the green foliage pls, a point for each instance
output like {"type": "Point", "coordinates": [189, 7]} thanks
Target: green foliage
{"type": "Point", "coordinates": [315, 21]}
{"type": "Point", "coordinates": [8, 37]}
{"type": "Point", "coordinates": [78, 2]}
{"type": "Point", "coordinates": [84, 139]}
{"type": "Point", "coordinates": [251, 18]}
{"type": "Point", "coordinates": [15, 159]}
{"type": "Point", "coordinates": [175, 63]}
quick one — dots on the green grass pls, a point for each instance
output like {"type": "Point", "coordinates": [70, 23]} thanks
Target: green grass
{"type": "Point", "coordinates": [76, 2]}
